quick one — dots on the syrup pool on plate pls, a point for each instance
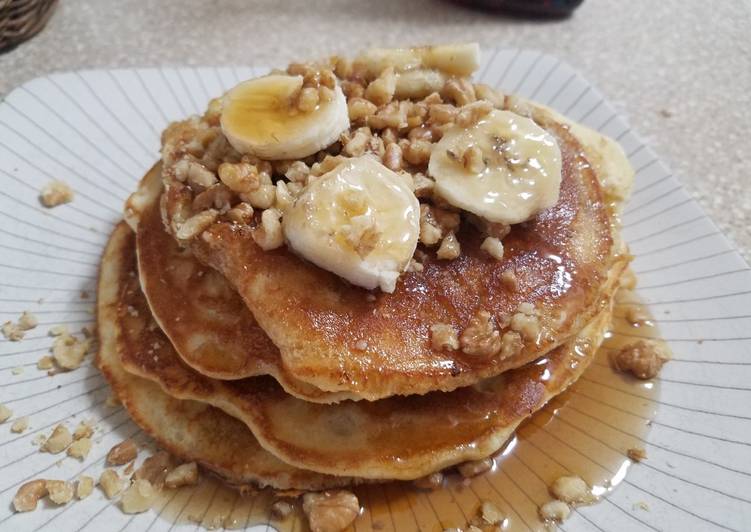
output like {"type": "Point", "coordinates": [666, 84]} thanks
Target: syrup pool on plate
{"type": "Point", "coordinates": [586, 431]}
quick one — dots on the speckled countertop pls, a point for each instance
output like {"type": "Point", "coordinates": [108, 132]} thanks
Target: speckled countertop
{"type": "Point", "coordinates": [680, 71]}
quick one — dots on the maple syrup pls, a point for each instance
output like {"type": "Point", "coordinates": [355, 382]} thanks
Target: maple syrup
{"type": "Point", "coordinates": [586, 431]}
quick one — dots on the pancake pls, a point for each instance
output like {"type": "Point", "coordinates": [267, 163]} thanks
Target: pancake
{"type": "Point", "coordinates": [319, 322]}
{"type": "Point", "coordinates": [206, 321]}
{"type": "Point", "coordinates": [394, 438]}
{"type": "Point", "coordinates": [191, 430]}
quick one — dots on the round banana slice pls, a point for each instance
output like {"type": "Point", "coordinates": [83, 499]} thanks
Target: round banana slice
{"type": "Point", "coordinates": [259, 117]}
{"type": "Point", "coordinates": [360, 221]}
{"type": "Point", "coordinates": [505, 168]}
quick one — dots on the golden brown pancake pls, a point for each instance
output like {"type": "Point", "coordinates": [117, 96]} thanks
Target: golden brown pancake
{"type": "Point", "coordinates": [193, 431]}
{"type": "Point", "coordinates": [561, 260]}
{"type": "Point", "coordinates": [399, 437]}
{"type": "Point", "coordinates": [206, 321]}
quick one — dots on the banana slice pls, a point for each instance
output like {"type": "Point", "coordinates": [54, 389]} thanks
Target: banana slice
{"type": "Point", "coordinates": [259, 117]}
{"type": "Point", "coordinates": [453, 59]}
{"type": "Point", "coordinates": [360, 221]}
{"type": "Point", "coordinates": [505, 168]}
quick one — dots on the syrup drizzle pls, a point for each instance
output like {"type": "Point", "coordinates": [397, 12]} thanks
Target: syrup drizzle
{"type": "Point", "coordinates": [585, 431]}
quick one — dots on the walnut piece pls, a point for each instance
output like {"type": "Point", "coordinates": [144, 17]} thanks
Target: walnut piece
{"type": "Point", "coordinates": [481, 337]}
{"type": "Point", "coordinates": [60, 491]}
{"type": "Point", "coordinates": [443, 336]}
{"type": "Point", "coordinates": [80, 448]}
{"type": "Point", "coordinates": [155, 468]}
{"type": "Point", "coordinates": [525, 322]}
{"type": "Point", "coordinates": [637, 454]}
{"type": "Point", "coordinates": [330, 511]}
{"type": "Point", "coordinates": [12, 331]}
{"type": "Point", "coordinates": [490, 514]}
{"type": "Point", "coordinates": [83, 430]}
{"type": "Point", "coordinates": [509, 279]}
{"type": "Point", "coordinates": [84, 486]}
{"type": "Point", "coordinates": [643, 358]}
{"type": "Point", "coordinates": [269, 234]}
{"type": "Point", "coordinates": [449, 248]}
{"type": "Point", "coordinates": [430, 482]}
{"type": "Point", "coordinates": [5, 413]}
{"type": "Point", "coordinates": [111, 483]}
{"type": "Point", "coordinates": [46, 362]}
{"type": "Point", "coordinates": [122, 453]}
{"type": "Point", "coordinates": [20, 425]}
{"type": "Point", "coordinates": [138, 497]}
{"type": "Point", "coordinates": [493, 247]}
{"type": "Point", "coordinates": [58, 441]}
{"type": "Point", "coordinates": [69, 351]}
{"type": "Point", "coordinates": [29, 494]}
{"type": "Point", "coordinates": [476, 467]}
{"type": "Point", "coordinates": [197, 224]}
{"type": "Point", "coordinates": [55, 193]}
{"type": "Point", "coordinates": [182, 475]}
{"type": "Point", "coordinates": [557, 511]}
{"type": "Point", "coordinates": [572, 490]}
{"type": "Point", "coordinates": [280, 510]}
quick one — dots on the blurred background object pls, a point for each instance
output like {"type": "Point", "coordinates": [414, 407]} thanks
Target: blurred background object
{"type": "Point", "coordinates": [22, 19]}
{"type": "Point", "coordinates": [528, 8]}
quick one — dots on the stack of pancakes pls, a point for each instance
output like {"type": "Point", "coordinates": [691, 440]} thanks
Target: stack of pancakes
{"type": "Point", "coordinates": [270, 371]}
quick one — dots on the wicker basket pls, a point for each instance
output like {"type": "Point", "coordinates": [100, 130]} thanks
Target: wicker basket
{"type": "Point", "coordinates": [22, 19]}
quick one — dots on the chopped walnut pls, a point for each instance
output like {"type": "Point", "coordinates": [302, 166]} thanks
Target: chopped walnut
{"type": "Point", "coordinates": [442, 113]}
{"type": "Point", "coordinates": [55, 193]}
{"type": "Point", "coordinates": [423, 185]}
{"type": "Point", "coordinates": [493, 247]}
{"type": "Point", "coordinates": [330, 511]}
{"type": "Point", "coordinates": [417, 152]}
{"type": "Point", "coordinates": [473, 160]}
{"type": "Point", "coordinates": [80, 448]}
{"type": "Point", "coordinates": [83, 430]}
{"type": "Point", "coordinates": [637, 454]}
{"type": "Point", "coordinates": [556, 511]}
{"type": "Point", "coordinates": [511, 344]}
{"type": "Point", "coordinates": [20, 425]}
{"type": "Point", "coordinates": [490, 514]}
{"type": "Point", "coordinates": [392, 157]}
{"type": "Point", "coordinates": [284, 198]}
{"type": "Point", "coordinates": [392, 115]}
{"type": "Point", "coordinates": [268, 235]}
{"type": "Point", "coordinates": [360, 109]}
{"type": "Point", "coordinates": [481, 337]}
{"type": "Point", "coordinates": [84, 486]}
{"type": "Point", "coordinates": [460, 91]}
{"type": "Point", "coordinates": [69, 351]}
{"type": "Point", "coordinates": [572, 490]}
{"type": "Point", "coordinates": [58, 441]}
{"type": "Point", "coordinates": [485, 92]}
{"type": "Point", "coordinates": [449, 248]}
{"type": "Point", "coordinates": [472, 113]}
{"type": "Point", "coordinates": [509, 279]}
{"type": "Point", "coordinates": [308, 99]}
{"type": "Point", "coordinates": [430, 229]}
{"type": "Point", "coordinates": [182, 475]}
{"type": "Point", "coordinates": [58, 330]}
{"type": "Point", "coordinates": [27, 321]}
{"type": "Point", "coordinates": [429, 482]}
{"type": "Point", "coordinates": [380, 91]}
{"type": "Point", "coordinates": [643, 358]}
{"type": "Point", "coordinates": [59, 491]}
{"type": "Point", "coordinates": [280, 510]}
{"type": "Point", "coordinates": [526, 322]}
{"type": "Point", "coordinates": [443, 336]}
{"type": "Point", "coordinates": [12, 331]}
{"type": "Point", "coordinates": [156, 467]}
{"type": "Point", "coordinates": [5, 413]}
{"type": "Point", "coordinates": [29, 494]}
{"type": "Point", "coordinates": [197, 224]}
{"type": "Point", "coordinates": [122, 453]}
{"type": "Point", "coordinates": [138, 497]}
{"type": "Point", "coordinates": [217, 196]}
{"type": "Point", "coordinates": [111, 483]}
{"type": "Point", "coordinates": [242, 213]}
{"type": "Point", "coordinates": [297, 172]}
{"type": "Point", "coordinates": [474, 468]}
{"type": "Point", "coordinates": [46, 362]}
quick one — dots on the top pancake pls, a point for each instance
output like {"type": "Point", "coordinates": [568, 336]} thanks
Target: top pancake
{"type": "Point", "coordinates": [560, 259]}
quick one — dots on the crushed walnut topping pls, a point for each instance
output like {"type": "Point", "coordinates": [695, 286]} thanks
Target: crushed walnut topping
{"type": "Point", "coordinates": [330, 511]}
{"type": "Point", "coordinates": [525, 322]}
{"type": "Point", "coordinates": [637, 454]}
{"type": "Point", "coordinates": [572, 490]}
{"type": "Point", "coordinates": [555, 511]}
{"type": "Point", "coordinates": [477, 467]}
{"type": "Point", "coordinates": [20, 425]}
{"type": "Point", "coordinates": [84, 486]}
{"type": "Point", "coordinates": [138, 497]}
{"type": "Point", "coordinates": [55, 193]}
{"type": "Point", "coordinates": [122, 453]}
{"type": "Point", "coordinates": [69, 351]}
{"type": "Point", "coordinates": [29, 494]}
{"type": "Point", "coordinates": [429, 482]}
{"type": "Point", "coordinates": [182, 475]}
{"type": "Point", "coordinates": [643, 358]}
{"type": "Point", "coordinates": [59, 491]}
{"type": "Point", "coordinates": [481, 337]}
{"type": "Point", "coordinates": [443, 336]}
{"type": "Point", "coordinates": [281, 509]}
{"type": "Point", "coordinates": [16, 331]}
{"type": "Point", "coordinates": [5, 413]}
{"type": "Point", "coordinates": [396, 116]}
{"type": "Point", "coordinates": [493, 247]}
{"type": "Point", "coordinates": [58, 441]}
{"type": "Point", "coordinates": [111, 483]}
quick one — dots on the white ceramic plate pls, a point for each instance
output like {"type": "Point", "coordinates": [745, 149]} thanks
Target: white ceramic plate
{"type": "Point", "coordinates": [99, 132]}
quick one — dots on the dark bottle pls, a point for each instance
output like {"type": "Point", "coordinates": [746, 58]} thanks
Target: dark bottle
{"type": "Point", "coordinates": [529, 8]}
